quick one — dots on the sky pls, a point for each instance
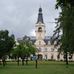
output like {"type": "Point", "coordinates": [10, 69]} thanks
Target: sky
{"type": "Point", "coordinates": [20, 16]}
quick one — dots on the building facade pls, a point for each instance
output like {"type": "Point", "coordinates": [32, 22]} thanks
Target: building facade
{"type": "Point", "coordinates": [42, 42]}
{"type": "Point", "coordinates": [45, 50]}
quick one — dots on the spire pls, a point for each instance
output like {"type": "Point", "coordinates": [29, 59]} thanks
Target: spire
{"type": "Point", "coordinates": [40, 16]}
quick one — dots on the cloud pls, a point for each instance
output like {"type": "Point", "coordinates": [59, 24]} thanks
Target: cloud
{"type": "Point", "coordinates": [20, 16]}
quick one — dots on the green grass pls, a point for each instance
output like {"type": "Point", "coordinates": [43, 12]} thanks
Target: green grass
{"type": "Point", "coordinates": [48, 67]}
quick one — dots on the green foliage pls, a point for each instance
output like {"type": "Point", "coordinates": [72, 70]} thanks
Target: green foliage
{"type": "Point", "coordinates": [64, 3]}
{"type": "Point", "coordinates": [66, 20]}
{"type": "Point", "coordinates": [6, 42]}
{"type": "Point", "coordinates": [24, 49]}
{"type": "Point", "coordinates": [67, 24]}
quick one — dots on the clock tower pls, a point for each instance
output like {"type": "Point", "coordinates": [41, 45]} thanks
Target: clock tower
{"type": "Point", "coordinates": [40, 30]}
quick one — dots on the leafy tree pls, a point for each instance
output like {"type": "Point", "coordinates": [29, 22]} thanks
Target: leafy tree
{"type": "Point", "coordinates": [66, 20]}
{"type": "Point", "coordinates": [17, 52]}
{"type": "Point", "coordinates": [24, 49]}
{"type": "Point", "coordinates": [6, 44]}
{"type": "Point", "coordinates": [29, 48]}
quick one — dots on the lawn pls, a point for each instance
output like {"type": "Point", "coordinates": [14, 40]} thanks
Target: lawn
{"type": "Point", "coordinates": [48, 67]}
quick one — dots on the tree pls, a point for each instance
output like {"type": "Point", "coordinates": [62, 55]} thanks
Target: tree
{"type": "Point", "coordinates": [24, 49]}
{"type": "Point", "coordinates": [29, 48]}
{"type": "Point", "coordinates": [17, 52]}
{"type": "Point", "coordinates": [66, 20]}
{"type": "Point", "coordinates": [6, 44]}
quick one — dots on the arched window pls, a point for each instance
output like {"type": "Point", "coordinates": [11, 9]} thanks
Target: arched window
{"type": "Point", "coordinates": [39, 42]}
{"type": "Point", "coordinates": [39, 29]}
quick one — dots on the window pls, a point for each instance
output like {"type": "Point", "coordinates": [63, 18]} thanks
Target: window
{"type": "Point", "coordinates": [52, 49]}
{"type": "Point", "coordinates": [39, 29]}
{"type": "Point", "coordinates": [45, 57]}
{"type": "Point", "coordinates": [39, 42]}
{"type": "Point", "coordinates": [45, 49]}
{"type": "Point", "coordinates": [39, 49]}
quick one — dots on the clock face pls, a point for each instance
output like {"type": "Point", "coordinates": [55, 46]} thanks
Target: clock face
{"type": "Point", "coordinates": [39, 29]}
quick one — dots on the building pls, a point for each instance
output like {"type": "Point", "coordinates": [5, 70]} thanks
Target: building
{"type": "Point", "coordinates": [45, 50]}
{"type": "Point", "coordinates": [42, 42]}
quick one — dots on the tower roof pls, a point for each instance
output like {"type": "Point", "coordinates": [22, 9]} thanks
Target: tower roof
{"type": "Point", "coordinates": [40, 16]}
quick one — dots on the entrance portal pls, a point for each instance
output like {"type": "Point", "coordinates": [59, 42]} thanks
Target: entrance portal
{"type": "Point", "coordinates": [40, 56]}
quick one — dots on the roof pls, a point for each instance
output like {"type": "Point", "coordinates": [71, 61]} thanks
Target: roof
{"type": "Point", "coordinates": [33, 39]}
{"type": "Point", "coordinates": [40, 16]}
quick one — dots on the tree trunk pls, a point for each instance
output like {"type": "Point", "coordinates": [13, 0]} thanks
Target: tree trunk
{"type": "Point", "coordinates": [23, 61]}
{"type": "Point", "coordinates": [3, 60]}
{"type": "Point", "coordinates": [66, 59]}
{"type": "Point", "coordinates": [36, 64]}
{"type": "Point", "coordinates": [18, 61]}
{"type": "Point", "coordinates": [27, 61]}
{"type": "Point", "coordinates": [0, 62]}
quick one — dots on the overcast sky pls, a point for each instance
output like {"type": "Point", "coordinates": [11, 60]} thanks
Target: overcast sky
{"type": "Point", "coordinates": [20, 16]}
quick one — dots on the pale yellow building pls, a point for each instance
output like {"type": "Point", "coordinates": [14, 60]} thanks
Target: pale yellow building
{"type": "Point", "coordinates": [45, 50]}
{"type": "Point", "coordinates": [42, 42]}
